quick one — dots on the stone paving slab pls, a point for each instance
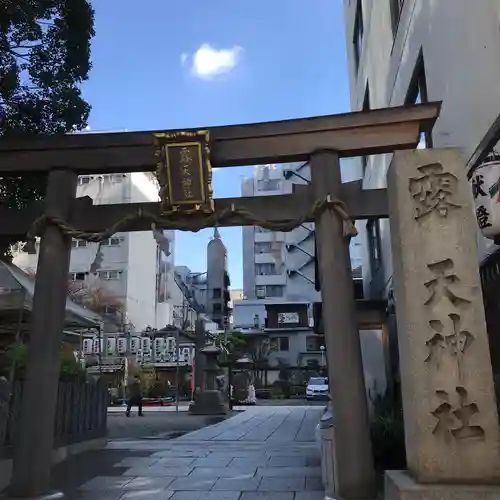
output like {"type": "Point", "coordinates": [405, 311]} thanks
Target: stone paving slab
{"type": "Point", "coordinates": [268, 495]}
{"type": "Point", "coordinates": [235, 483]}
{"type": "Point", "coordinates": [148, 494]}
{"type": "Point", "coordinates": [290, 461]}
{"type": "Point", "coordinates": [206, 495]}
{"type": "Point", "coordinates": [242, 472]}
{"type": "Point", "coordinates": [155, 471]}
{"type": "Point", "coordinates": [256, 461]}
{"type": "Point", "coordinates": [288, 471]}
{"type": "Point", "coordinates": [282, 484]}
{"type": "Point", "coordinates": [263, 453]}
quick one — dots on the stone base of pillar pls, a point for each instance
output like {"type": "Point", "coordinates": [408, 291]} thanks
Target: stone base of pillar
{"type": "Point", "coordinates": [208, 403]}
{"type": "Point", "coordinates": [400, 486]}
{"type": "Point", "coordinates": [55, 495]}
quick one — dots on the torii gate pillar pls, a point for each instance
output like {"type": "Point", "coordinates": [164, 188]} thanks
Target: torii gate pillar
{"type": "Point", "coordinates": [352, 444]}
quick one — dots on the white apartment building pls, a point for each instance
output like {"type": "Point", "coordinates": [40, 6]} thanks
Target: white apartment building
{"type": "Point", "coordinates": [410, 51]}
{"type": "Point", "coordinates": [135, 268]}
{"type": "Point", "coordinates": [278, 265]}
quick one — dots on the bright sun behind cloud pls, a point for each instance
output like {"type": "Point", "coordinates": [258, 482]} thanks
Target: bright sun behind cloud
{"type": "Point", "coordinates": [208, 62]}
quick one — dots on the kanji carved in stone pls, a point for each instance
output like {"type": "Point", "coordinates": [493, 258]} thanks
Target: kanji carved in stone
{"type": "Point", "coordinates": [451, 339]}
{"type": "Point", "coordinates": [444, 285]}
{"type": "Point", "coordinates": [433, 190]}
{"type": "Point", "coordinates": [454, 419]}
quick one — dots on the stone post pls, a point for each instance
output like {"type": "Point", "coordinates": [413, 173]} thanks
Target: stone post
{"type": "Point", "coordinates": [199, 367]}
{"type": "Point", "coordinates": [451, 419]}
{"type": "Point", "coordinates": [209, 400]}
{"type": "Point", "coordinates": [32, 456]}
{"type": "Point", "coordinates": [353, 451]}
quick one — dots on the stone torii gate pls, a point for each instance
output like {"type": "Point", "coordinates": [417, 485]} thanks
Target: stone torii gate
{"type": "Point", "coordinates": [182, 161]}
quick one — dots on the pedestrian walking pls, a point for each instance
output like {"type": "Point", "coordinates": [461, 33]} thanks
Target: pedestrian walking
{"type": "Point", "coordinates": [135, 396]}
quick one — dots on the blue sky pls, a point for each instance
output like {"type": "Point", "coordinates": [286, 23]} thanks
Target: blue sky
{"type": "Point", "coordinates": [174, 64]}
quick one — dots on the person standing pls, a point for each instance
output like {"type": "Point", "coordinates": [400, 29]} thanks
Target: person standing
{"type": "Point", "coordinates": [135, 396]}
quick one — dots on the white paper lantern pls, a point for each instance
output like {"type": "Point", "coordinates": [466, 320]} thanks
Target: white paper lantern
{"type": "Point", "coordinates": [122, 345]}
{"type": "Point", "coordinates": [159, 345]}
{"type": "Point", "coordinates": [134, 345]}
{"type": "Point", "coordinates": [87, 346]}
{"type": "Point", "coordinates": [485, 183]}
{"type": "Point", "coordinates": [146, 345]}
{"type": "Point", "coordinates": [170, 344]}
{"type": "Point", "coordinates": [97, 345]}
{"type": "Point", "coordinates": [111, 346]}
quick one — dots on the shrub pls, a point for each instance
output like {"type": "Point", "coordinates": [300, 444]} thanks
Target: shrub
{"type": "Point", "coordinates": [387, 432]}
{"type": "Point", "coordinates": [70, 368]}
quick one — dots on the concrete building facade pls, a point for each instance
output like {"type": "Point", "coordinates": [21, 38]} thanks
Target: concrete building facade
{"type": "Point", "coordinates": [411, 51]}
{"type": "Point", "coordinates": [278, 265]}
{"type": "Point", "coordinates": [204, 293]}
{"type": "Point", "coordinates": [134, 269]}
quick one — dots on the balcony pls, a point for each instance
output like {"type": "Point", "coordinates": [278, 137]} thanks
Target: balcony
{"type": "Point", "coordinates": [264, 258]}
{"type": "Point", "coordinates": [269, 236]}
{"type": "Point", "coordinates": [270, 279]}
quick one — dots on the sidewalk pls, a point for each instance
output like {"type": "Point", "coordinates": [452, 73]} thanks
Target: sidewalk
{"type": "Point", "coordinates": [262, 453]}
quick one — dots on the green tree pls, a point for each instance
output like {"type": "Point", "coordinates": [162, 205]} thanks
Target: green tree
{"type": "Point", "coordinates": [232, 345]}
{"type": "Point", "coordinates": [44, 57]}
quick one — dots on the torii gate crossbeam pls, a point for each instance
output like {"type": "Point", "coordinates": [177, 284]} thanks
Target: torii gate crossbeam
{"type": "Point", "coordinates": [321, 141]}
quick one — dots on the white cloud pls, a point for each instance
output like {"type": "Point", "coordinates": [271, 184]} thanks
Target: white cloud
{"type": "Point", "coordinates": [208, 62]}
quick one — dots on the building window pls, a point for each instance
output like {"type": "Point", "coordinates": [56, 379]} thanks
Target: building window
{"type": "Point", "coordinates": [110, 242]}
{"type": "Point", "coordinates": [358, 33]}
{"type": "Point", "coordinates": [78, 243]}
{"type": "Point", "coordinates": [417, 94]}
{"type": "Point", "coordinates": [109, 275]}
{"type": "Point", "coordinates": [217, 309]}
{"type": "Point", "coordinates": [366, 107]}
{"type": "Point", "coordinates": [267, 269]}
{"type": "Point", "coordinates": [283, 344]}
{"type": "Point", "coordinates": [396, 9]}
{"type": "Point", "coordinates": [314, 343]}
{"type": "Point", "coordinates": [274, 291]}
{"type": "Point", "coordinates": [84, 179]}
{"type": "Point", "coordinates": [264, 247]}
{"type": "Point", "coordinates": [373, 233]}
{"type": "Point", "coordinates": [216, 293]}
{"type": "Point", "coordinates": [268, 184]}
{"type": "Point", "coordinates": [77, 276]}
{"type": "Point", "coordinates": [260, 292]}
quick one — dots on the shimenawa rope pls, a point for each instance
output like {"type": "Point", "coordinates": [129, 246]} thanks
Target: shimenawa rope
{"type": "Point", "coordinates": [195, 222]}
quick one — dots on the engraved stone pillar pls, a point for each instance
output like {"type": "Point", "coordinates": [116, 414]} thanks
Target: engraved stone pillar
{"type": "Point", "coordinates": [451, 421]}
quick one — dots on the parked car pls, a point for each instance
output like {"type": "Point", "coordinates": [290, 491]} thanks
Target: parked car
{"type": "Point", "coordinates": [317, 388]}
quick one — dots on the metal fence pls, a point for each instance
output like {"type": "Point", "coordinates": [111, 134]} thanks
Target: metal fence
{"type": "Point", "coordinates": [81, 413]}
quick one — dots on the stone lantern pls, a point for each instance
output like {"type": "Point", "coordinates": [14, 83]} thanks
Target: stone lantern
{"type": "Point", "coordinates": [209, 400]}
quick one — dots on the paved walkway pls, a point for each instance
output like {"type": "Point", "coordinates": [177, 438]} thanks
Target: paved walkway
{"type": "Point", "coordinates": [262, 453]}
